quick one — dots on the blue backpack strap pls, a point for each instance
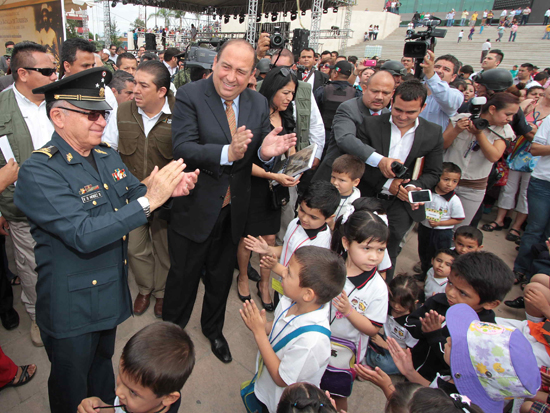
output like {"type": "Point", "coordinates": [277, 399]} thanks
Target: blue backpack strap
{"type": "Point", "coordinates": [305, 329]}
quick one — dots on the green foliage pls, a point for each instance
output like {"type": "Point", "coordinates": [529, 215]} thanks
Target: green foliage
{"type": "Point", "coordinates": [137, 23]}
{"type": "Point", "coordinates": [165, 14]}
{"type": "Point", "coordinates": [72, 29]}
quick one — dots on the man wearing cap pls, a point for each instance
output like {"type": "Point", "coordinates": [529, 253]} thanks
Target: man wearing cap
{"type": "Point", "coordinates": [4, 64]}
{"type": "Point", "coordinates": [142, 133]}
{"type": "Point", "coordinates": [396, 69]}
{"type": "Point", "coordinates": [81, 202]}
{"type": "Point", "coordinates": [27, 127]}
{"type": "Point", "coordinates": [337, 91]}
{"type": "Point", "coordinates": [6, 80]}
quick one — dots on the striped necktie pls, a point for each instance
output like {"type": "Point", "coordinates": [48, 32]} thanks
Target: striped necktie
{"type": "Point", "coordinates": [232, 121]}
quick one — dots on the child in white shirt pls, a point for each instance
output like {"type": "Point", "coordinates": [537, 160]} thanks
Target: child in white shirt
{"type": "Point", "coordinates": [314, 276]}
{"type": "Point", "coordinates": [347, 171]}
{"type": "Point", "coordinates": [436, 280]}
{"type": "Point", "coordinates": [361, 309]}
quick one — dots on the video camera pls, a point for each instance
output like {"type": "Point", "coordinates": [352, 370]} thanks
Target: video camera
{"type": "Point", "coordinates": [417, 44]}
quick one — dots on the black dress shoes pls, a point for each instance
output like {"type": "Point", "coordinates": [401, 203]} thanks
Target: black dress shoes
{"type": "Point", "coordinates": [252, 273]}
{"type": "Point", "coordinates": [517, 303]}
{"type": "Point", "coordinates": [10, 319]}
{"type": "Point", "coordinates": [220, 348]}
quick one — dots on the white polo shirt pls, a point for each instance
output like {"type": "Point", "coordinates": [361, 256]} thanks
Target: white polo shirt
{"type": "Point", "coordinates": [542, 137]}
{"type": "Point", "coordinates": [434, 285]}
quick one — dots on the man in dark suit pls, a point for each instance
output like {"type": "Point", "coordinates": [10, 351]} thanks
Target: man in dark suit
{"type": "Point", "coordinates": [220, 126]}
{"type": "Point", "coordinates": [398, 136]}
{"type": "Point", "coordinates": [314, 77]}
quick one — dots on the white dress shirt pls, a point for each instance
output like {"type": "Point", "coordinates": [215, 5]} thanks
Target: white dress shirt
{"type": "Point", "coordinates": [172, 70]}
{"type": "Point", "coordinates": [110, 134]}
{"type": "Point", "coordinates": [400, 147]}
{"type": "Point", "coordinates": [40, 127]}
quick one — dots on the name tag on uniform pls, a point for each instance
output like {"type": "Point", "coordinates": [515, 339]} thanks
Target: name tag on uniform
{"type": "Point", "coordinates": [91, 197]}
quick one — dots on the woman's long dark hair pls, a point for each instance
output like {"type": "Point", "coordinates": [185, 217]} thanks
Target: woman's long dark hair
{"type": "Point", "coordinates": [276, 79]}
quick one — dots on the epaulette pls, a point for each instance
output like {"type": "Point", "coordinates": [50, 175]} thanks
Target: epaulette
{"type": "Point", "coordinates": [48, 150]}
{"type": "Point", "coordinates": [105, 144]}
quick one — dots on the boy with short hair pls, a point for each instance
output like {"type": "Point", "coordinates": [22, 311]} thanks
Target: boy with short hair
{"type": "Point", "coordinates": [347, 171]}
{"type": "Point", "coordinates": [154, 365]}
{"type": "Point", "coordinates": [436, 280]}
{"type": "Point", "coordinates": [314, 276]}
{"type": "Point", "coordinates": [443, 212]}
{"type": "Point", "coordinates": [317, 208]}
{"type": "Point", "coordinates": [468, 239]}
{"type": "Point", "coordinates": [479, 279]}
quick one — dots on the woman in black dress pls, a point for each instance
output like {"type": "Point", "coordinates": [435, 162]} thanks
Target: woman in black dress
{"type": "Point", "coordinates": [279, 87]}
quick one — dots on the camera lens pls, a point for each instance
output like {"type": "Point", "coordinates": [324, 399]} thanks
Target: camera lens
{"type": "Point", "coordinates": [277, 41]}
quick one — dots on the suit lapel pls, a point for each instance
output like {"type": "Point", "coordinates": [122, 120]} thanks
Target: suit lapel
{"type": "Point", "coordinates": [214, 102]}
{"type": "Point", "coordinates": [245, 107]}
{"type": "Point", "coordinates": [386, 136]}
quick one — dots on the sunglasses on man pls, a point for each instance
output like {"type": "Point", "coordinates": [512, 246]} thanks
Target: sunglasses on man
{"type": "Point", "coordinates": [93, 116]}
{"type": "Point", "coordinates": [44, 71]}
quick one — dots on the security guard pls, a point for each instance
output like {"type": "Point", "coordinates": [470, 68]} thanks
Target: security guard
{"type": "Point", "coordinates": [81, 202]}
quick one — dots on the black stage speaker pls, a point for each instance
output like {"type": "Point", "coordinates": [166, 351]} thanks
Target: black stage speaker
{"type": "Point", "coordinates": [150, 42]}
{"type": "Point", "coordinates": [300, 40]}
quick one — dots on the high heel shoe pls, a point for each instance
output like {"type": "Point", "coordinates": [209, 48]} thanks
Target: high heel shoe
{"type": "Point", "coordinates": [269, 307]}
{"type": "Point", "coordinates": [243, 298]}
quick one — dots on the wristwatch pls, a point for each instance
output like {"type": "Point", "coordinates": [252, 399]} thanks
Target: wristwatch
{"type": "Point", "coordinates": [144, 202]}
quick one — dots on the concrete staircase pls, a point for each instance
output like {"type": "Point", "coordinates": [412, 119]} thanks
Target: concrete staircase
{"type": "Point", "coordinates": [528, 46]}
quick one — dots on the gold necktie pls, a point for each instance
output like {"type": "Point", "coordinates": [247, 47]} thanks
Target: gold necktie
{"type": "Point", "coordinates": [233, 128]}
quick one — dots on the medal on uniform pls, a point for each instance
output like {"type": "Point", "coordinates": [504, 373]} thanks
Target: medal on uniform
{"type": "Point", "coordinates": [119, 174]}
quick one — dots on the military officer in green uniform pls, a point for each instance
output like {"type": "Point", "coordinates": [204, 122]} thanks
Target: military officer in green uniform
{"type": "Point", "coordinates": [81, 202]}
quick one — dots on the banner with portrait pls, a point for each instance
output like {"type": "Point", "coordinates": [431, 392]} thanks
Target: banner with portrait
{"type": "Point", "coordinates": [36, 21]}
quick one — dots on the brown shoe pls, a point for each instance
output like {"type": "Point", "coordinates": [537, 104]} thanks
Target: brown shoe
{"type": "Point", "coordinates": [141, 304]}
{"type": "Point", "coordinates": [158, 307]}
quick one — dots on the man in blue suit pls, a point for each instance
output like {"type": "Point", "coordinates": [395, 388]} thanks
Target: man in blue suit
{"type": "Point", "coordinates": [81, 202]}
{"type": "Point", "coordinates": [220, 126]}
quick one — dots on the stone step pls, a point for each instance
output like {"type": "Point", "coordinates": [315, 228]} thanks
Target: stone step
{"type": "Point", "coordinates": [528, 46]}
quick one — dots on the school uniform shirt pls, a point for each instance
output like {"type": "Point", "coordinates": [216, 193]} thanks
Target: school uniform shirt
{"type": "Point", "coordinates": [443, 208]}
{"type": "Point", "coordinates": [393, 327]}
{"type": "Point", "coordinates": [443, 383]}
{"type": "Point", "coordinates": [296, 236]}
{"type": "Point", "coordinates": [303, 359]}
{"type": "Point", "coordinates": [346, 201]}
{"type": "Point", "coordinates": [434, 285]}
{"type": "Point", "coordinates": [368, 295]}
{"type": "Point", "coordinates": [385, 265]}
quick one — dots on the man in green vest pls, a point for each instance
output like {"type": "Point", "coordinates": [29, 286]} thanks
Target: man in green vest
{"type": "Point", "coordinates": [142, 134]}
{"type": "Point", "coordinates": [24, 121]}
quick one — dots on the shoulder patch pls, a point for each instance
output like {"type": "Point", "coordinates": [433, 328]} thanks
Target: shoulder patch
{"type": "Point", "coordinates": [105, 144]}
{"type": "Point", "coordinates": [48, 150]}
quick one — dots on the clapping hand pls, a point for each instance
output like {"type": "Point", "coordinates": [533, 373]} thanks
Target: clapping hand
{"type": "Point", "coordinates": [275, 144]}
{"type": "Point", "coordinates": [401, 358]}
{"type": "Point", "coordinates": [239, 144]}
{"type": "Point", "coordinates": [431, 321]}
{"type": "Point", "coordinates": [268, 261]}
{"type": "Point", "coordinates": [377, 377]}
{"type": "Point", "coordinates": [258, 245]}
{"type": "Point", "coordinates": [253, 318]}
{"type": "Point", "coordinates": [186, 184]}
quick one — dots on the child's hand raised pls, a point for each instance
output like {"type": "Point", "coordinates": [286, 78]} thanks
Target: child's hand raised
{"type": "Point", "coordinates": [401, 358]}
{"type": "Point", "coordinates": [268, 261]}
{"type": "Point", "coordinates": [254, 319]}
{"type": "Point", "coordinates": [377, 377]}
{"type": "Point", "coordinates": [342, 304]}
{"type": "Point", "coordinates": [431, 322]}
{"type": "Point", "coordinates": [257, 245]}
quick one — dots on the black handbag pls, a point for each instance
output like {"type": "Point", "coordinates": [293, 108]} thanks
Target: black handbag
{"type": "Point", "coordinates": [280, 196]}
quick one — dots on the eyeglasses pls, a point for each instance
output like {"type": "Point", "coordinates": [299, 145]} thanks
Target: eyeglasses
{"type": "Point", "coordinates": [473, 147]}
{"type": "Point", "coordinates": [44, 71]}
{"type": "Point", "coordinates": [92, 116]}
{"type": "Point", "coordinates": [326, 66]}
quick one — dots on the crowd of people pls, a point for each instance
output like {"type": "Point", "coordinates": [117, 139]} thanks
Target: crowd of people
{"type": "Point", "coordinates": [165, 167]}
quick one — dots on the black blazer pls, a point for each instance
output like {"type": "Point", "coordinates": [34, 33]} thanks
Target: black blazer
{"type": "Point", "coordinates": [375, 133]}
{"type": "Point", "coordinates": [319, 79]}
{"type": "Point", "coordinates": [199, 132]}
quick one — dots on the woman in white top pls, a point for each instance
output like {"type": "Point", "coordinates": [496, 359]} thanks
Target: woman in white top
{"type": "Point", "coordinates": [475, 150]}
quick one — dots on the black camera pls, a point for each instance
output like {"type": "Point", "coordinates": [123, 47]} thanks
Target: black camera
{"type": "Point", "coordinates": [398, 169]}
{"type": "Point", "coordinates": [277, 39]}
{"type": "Point", "coordinates": [475, 107]}
{"type": "Point", "coordinates": [417, 44]}
{"type": "Point", "coordinates": [300, 70]}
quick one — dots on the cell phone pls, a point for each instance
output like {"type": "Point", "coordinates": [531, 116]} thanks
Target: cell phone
{"type": "Point", "coordinates": [424, 195]}
{"type": "Point", "coordinates": [369, 63]}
